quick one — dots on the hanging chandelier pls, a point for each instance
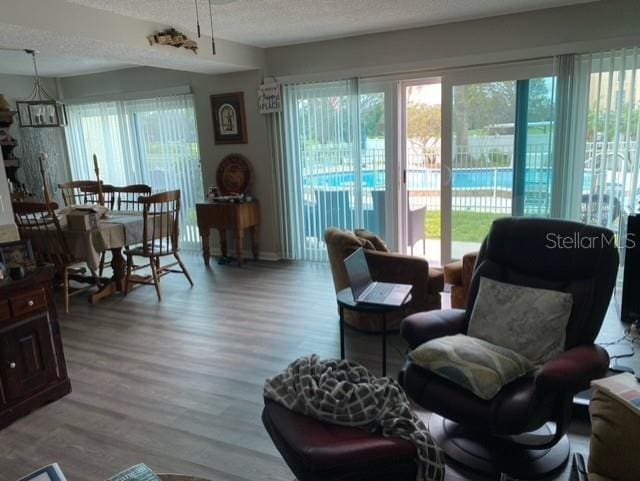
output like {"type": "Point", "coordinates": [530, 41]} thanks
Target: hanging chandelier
{"type": "Point", "coordinates": [40, 109]}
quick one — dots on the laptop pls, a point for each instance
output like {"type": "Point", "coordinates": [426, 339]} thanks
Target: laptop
{"type": "Point", "coordinates": [368, 291]}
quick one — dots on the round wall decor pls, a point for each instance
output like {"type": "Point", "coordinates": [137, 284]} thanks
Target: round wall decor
{"type": "Point", "coordinates": [234, 174]}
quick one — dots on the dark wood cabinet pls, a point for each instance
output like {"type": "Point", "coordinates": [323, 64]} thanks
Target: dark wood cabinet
{"type": "Point", "coordinates": [32, 366]}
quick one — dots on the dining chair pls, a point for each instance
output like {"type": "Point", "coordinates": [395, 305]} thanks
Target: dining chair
{"type": "Point", "coordinates": [22, 196]}
{"type": "Point", "coordinates": [92, 195]}
{"type": "Point", "coordinates": [74, 193]}
{"type": "Point", "coordinates": [127, 197]}
{"type": "Point", "coordinates": [38, 223]}
{"type": "Point", "coordinates": [161, 214]}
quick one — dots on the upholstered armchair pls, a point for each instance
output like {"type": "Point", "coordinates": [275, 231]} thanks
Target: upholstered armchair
{"type": "Point", "coordinates": [511, 432]}
{"type": "Point", "coordinates": [385, 266]}
{"type": "Point", "coordinates": [458, 275]}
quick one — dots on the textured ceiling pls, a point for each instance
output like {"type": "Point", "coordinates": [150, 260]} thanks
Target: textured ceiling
{"type": "Point", "coordinates": [56, 64]}
{"type": "Point", "coordinates": [267, 23]}
{"type": "Point", "coordinates": [86, 36]}
{"type": "Point", "coordinates": [60, 55]}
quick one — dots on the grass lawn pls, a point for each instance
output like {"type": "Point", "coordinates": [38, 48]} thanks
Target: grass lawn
{"type": "Point", "coordinates": [467, 226]}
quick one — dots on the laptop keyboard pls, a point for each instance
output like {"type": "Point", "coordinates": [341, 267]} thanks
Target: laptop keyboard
{"type": "Point", "coordinates": [379, 293]}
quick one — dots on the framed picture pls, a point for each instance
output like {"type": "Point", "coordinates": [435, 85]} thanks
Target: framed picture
{"type": "Point", "coordinates": [17, 254]}
{"type": "Point", "coordinates": [229, 120]}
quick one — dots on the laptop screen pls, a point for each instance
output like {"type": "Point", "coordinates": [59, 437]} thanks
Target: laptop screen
{"type": "Point", "coordinates": [358, 272]}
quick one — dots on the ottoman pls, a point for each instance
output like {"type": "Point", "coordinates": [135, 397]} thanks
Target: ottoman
{"type": "Point", "coordinates": [317, 451]}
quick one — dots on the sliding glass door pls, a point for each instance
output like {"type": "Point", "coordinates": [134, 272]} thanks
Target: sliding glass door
{"type": "Point", "coordinates": [482, 164]}
{"type": "Point", "coordinates": [422, 164]}
{"type": "Point", "coordinates": [474, 145]}
{"type": "Point", "coordinates": [336, 160]}
{"type": "Point", "coordinates": [150, 141]}
{"type": "Point", "coordinates": [497, 150]}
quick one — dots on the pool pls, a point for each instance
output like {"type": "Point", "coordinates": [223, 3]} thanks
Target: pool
{"type": "Point", "coordinates": [499, 178]}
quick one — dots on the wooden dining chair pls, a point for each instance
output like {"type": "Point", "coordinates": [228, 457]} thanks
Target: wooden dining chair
{"type": "Point", "coordinates": [92, 195]}
{"type": "Point", "coordinates": [74, 192]}
{"type": "Point", "coordinates": [22, 196]}
{"type": "Point", "coordinates": [161, 213]}
{"type": "Point", "coordinates": [124, 199]}
{"type": "Point", "coordinates": [38, 223]}
{"type": "Point", "coordinates": [127, 197]}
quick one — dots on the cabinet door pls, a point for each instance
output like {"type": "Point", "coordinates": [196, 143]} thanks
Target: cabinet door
{"type": "Point", "coordinates": [27, 358]}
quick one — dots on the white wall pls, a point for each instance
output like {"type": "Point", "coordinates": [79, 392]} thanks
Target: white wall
{"type": "Point", "coordinates": [578, 28]}
{"type": "Point", "coordinates": [148, 79]}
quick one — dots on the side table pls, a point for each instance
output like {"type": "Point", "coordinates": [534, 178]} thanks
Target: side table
{"type": "Point", "coordinates": [346, 301]}
{"type": "Point", "coordinates": [234, 216]}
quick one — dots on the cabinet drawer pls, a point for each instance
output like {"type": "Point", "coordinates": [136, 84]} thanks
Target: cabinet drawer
{"type": "Point", "coordinates": [5, 312]}
{"type": "Point", "coordinates": [32, 301]}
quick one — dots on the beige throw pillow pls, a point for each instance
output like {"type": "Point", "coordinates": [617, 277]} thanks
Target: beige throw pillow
{"type": "Point", "coordinates": [529, 321]}
{"type": "Point", "coordinates": [474, 364]}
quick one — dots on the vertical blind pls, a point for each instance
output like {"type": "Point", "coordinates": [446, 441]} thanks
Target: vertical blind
{"type": "Point", "coordinates": [612, 157]}
{"type": "Point", "coordinates": [151, 141]}
{"type": "Point", "coordinates": [320, 172]}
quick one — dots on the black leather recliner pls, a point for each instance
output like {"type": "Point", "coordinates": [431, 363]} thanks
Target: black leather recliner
{"type": "Point", "coordinates": [510, 433]}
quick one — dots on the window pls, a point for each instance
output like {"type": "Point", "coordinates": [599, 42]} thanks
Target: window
{"type": "Point", "coordinates": [151, 141]}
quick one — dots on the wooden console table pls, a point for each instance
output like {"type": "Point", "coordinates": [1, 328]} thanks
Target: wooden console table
{"type": "Point", "coordinates": [236, 217]}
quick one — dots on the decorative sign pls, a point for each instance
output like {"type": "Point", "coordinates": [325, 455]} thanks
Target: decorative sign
{"type": "Point", "coordinates": [234, 174]}
{"type": "Point", "coordinates": [269, 98]}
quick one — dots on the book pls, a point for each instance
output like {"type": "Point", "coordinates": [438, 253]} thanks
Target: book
{"type": "Point", "coordinates": [51, 472]}
{"type": "Point", "coordinates": [139, 472]}
{"type": "Point", "coordinates": [624, 387]}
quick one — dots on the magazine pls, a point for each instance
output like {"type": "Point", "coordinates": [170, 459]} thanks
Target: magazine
{"type": "Point", "coordinates": [139, 472]}
{"type": "Point", "coordinates": [52, 472]}
{"type": "Point", "coordinates": [47, 473]}
{"type": "Point", "coordinates": [622, 386]}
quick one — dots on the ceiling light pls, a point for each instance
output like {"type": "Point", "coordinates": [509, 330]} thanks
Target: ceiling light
{"type": "Point", "coordinates": [41, 109]}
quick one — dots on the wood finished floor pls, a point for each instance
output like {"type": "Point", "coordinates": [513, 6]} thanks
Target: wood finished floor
{"type": "Point", "coordinates": [177, 385]}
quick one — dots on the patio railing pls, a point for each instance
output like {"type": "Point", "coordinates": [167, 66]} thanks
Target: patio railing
{"type": "Point", "coordinates": [481, 178]}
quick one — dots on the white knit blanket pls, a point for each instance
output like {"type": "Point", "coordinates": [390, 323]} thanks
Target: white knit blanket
{"type": "Point", "coordinates": [346, 393]}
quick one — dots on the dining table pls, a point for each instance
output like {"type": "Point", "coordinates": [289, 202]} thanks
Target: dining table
{"type": "Point", "coordinates": [114, 231]}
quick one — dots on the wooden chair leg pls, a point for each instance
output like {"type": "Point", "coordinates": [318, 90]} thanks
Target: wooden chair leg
{"type": "Point", "coordinates": [156, 279]}
{"type": "Point", "coordinates": [128, 274]}
{"type": "Point", "coordinates": [184, 269]}
{"type": "Point", "coordinates": [66, 289]}
{"type": "Point", "coordinates": [102, 261]}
